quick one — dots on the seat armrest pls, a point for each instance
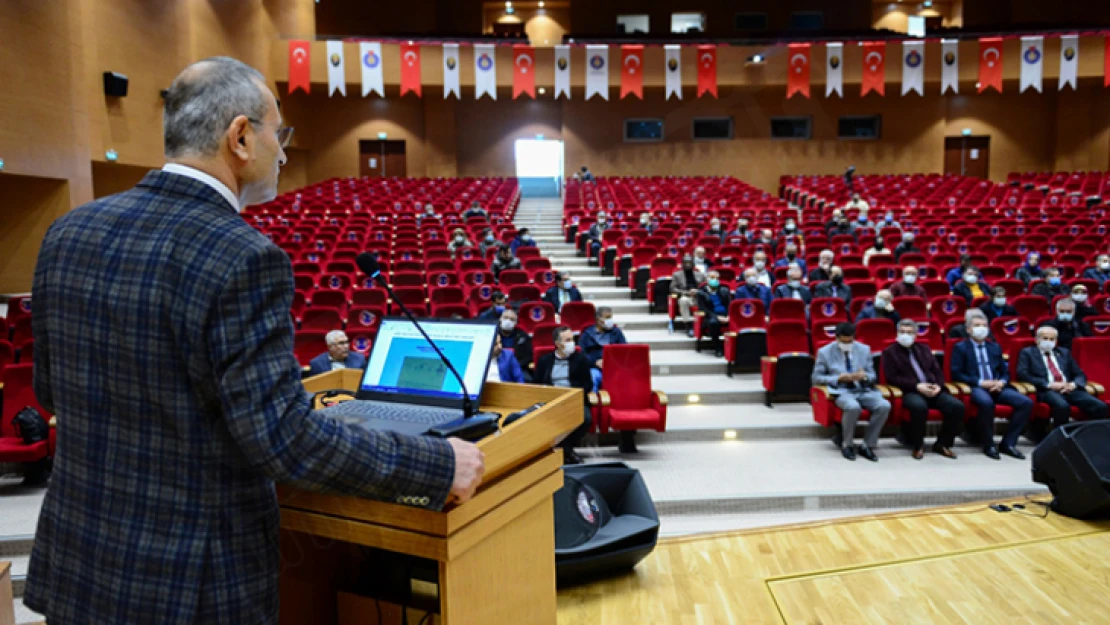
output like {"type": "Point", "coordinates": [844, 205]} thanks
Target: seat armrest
{"type": "Point", "coordinates": [54, 422]}
{"type": "Point", "coordinates": [953, 389]}
{"type": "Point", "coordinates": [1024, 387]}
{"type": "Point", "coordinates": [1094, 388]}
{"type": "Point", "coordinates": [660, 397]}
{"type": "Point", "coordinates": [964, 388]}
{"type": "Point", "coordinates": [895, 392]}
{"type": "Point", "coordinates": [600, 398]}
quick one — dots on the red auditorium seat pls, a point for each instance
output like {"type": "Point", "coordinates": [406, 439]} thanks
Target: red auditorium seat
{"type": "Point", "coordinates": [828, 414]}
{"type": "Point", "coordinates": [361, 341]}
{"type": "Point", "coordinates": [4, 334]}
{"type": "Point", "coordinates": [477, 278]}
{"type": "Point", "coordinates": [511, 277]}
{"type": "Point", "coordinates": [21, 331]}
{"type": "Point", "coordinates": [542, 336]}
{"type": "Point", "coordinates": [335, 300]}
{"type": "Point", "coordinates": [7, 356]}
{"type": "Point", "coordinates": [18, 394]}
{"type": "Point", "coordinates": [788, 310]}
{"type": "Point", "coordinates": [745, 339]}
{"type": "Point", "coordinates": [479, 298]}
{"type": "Point", "coordinates": [877, 334]}
{"type": "Point", "coordinates": [659, 282]}
{"type": "Point", "coordinates": [1099, 325]}
{"type": "Point", "coordinates": [525, 293]}
{"type": "Point", "coordinates": [910, 308]}
{"type": "Point", "coordinates": [578, 315]}
{"type": "Point", "coordinates": [788, 365]}
{"type": "Point", "coordinates": [1030, 307]}
{"type": "Point", "coordinates": [370, 297]}
{"type": "Point", "coordinates": [822, 332]}
{"type": "Point", "coordinates": [447, 311]}
{"type": "Point", "coordinates": [1091, 355]}
{"type": "Point", "coordinates": [827, 309]}
{"type": "Point", "coordinates": [534, 314]}
{"type": "Point", "coordinates": [1006, 330]}
{"type": "Point", "coordinates": [947, 308]}
{"type": "Point", "coordinates": [413, 297]}
{"type": "Point", "coordinates": [636, 406]}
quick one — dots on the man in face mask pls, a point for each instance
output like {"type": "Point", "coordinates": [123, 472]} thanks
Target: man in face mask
{"type": "Point", "coordinates": [593, 235]}
{"type": "Point", "coordinates": [845, 368]}
{"type": "Point", "coordinates": [978, 363]}
{"type": "Point", "coordinates": [835, 287]}
{"type": "Point", "coordinates": [906, 246]}
{"type": "Point", "coordinates": [794, 289]}
{"type": "Point", "coordinates": [881, 308]}
{"type": "Point", "coordinates": [701, 261]}
{"type": "Point", "coordinates": [515, 340]}
{"type": "Point", "coordinates": [791, 258]}
{"type": "Point", "coordinates": [888, 221]}
{"type": "Point", "coordinates": [1052, 286]}
{"type": "Point", "coordinates": [741, 231]}
{"type": "Point", "coordinates": [789, 230]}
{"type": "Point", "coordinates": [834, 221]}
{"type": "Point", "coordinates": [523, 238]}
{"type": "Point", "coordinates": [863, 221]}
{"type": "Point", "coordinates": [505, 260]}
{"type": "Point", "coordinates": [714, 299]}
{"type": "Point", "coordinates": [1031, 270]}
{"type": "Point", "coordinates": [684, 288]}
{"type": "Point", "coordinates": [715, 230]}
{"type": "Point", "coordinates": [567, 368]}
{"type": "Point", "coordinates": [487, 241]}
{"type": "Point", "coordinates": [998, 306]}
{"type": "Point", "coordinates": [971, 287]}
{"type": "Point", "coordinates": [1083, 308]}
{"type": "Point", "coordinates": [1059, 381]}
{"type": "Point", "coordinates": [824, 264]}
{"type": "Point", "coordinates": [759, 264]}
{"type": "Point", "coordinates": [564, 291]}
{"type": "Point", "coordinates": [475, 210]}
{"type": "Point", "coordinates": [1066, 325]}
{"type": "Point", "coordinates": [879, 248]}
{"type": "Point", "coordinates": [751, 288]}
{"type": "Point", "coordinates": [1100, 272]}
{"type": "Point", "coordinates": [646, 223]}
{"type": "Point", "coordinates": [767, 240]}
{"type": "Point", "coordinates": [594, 339]}
{"type": "Point", "coordinates": [909, 287]}
{"type": "Point", "coordinates": [956, 273]}
{"type": "Point", "coordinates": [499, 304]}
{"type": "Point", "coordinates": [911, 367]}
{"type": "Point", "coordinates": [429, 213]}
{"type": "Point", "coordinates": [459, 240]}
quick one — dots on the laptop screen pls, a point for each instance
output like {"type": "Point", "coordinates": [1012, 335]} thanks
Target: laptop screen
{"type": "Point", "coordinates": [403, 363]}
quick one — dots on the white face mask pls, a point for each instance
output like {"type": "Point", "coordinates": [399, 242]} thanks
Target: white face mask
{"type": "Point", "coordinates": [845, 347]}
{"type": "Point", "coordinates": [760, 265]}
{"type": "Point", "coordinates": [568, 347]}
{"type": "Point", "coordinates": [508, 325]}
{"type": "Point", "coordinates": [459, 239]}
{"type": "Point", "coordinates": [905, 340]}
{"type": "Point", "coordinates": [526, 237]}
{"type": "Point", "coordinates": [881, 303]}
{"type": "Point", "coordinates": [971, 278]}
{"type": "Point", "coordinates": [980, 332]}
{"type": "Point", "coordinates": [751, 280]}
{"type": "Point", "coordinates": [1046, 346]}
{"type": "Point", "coordinates": [1104, 266]}
{"type": "Point", "coordinates": [609, 323]}
{"type": "Point", "coordinates": [910, 279]}
{"type": "Point", "coordinates": [1000, 301]}
{"type": "Point", "coordinates": [1079, 297]}
{"type": "Point", "coordinates": [567, 284]}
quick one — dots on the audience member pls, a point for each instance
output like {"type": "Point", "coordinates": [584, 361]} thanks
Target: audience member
{"type": "Point", "coordinates": [594, 339]}
{"type": "Point", "coordinates": [429, 213]}
{"type": "Point", "coordinates": [594, 234]}
{"type": "Point", "coordinates": [567, 367]}
{"type": "Point", "coordinates": [684, 287]}
{"type": "Point", "coordinates": [767, 240]}
{"type": "Point", "coordinates": [1082, 308]}
{"type": "Point", "coordinates": [857, 204]}
{"type": "Point", "coordinates": [1100, 272]}
{"type": "Point", "coordinates": [338, 356]}
{"type": "Point", "coordinates": [971, 286]}
{"type": "Point", "coordinates": [834, 221]}
{"type": "Point", "coordinates": [835, 287]}
{"type": "Point", "coordinates": [701, 261]}
{"type": "Point", "coordinates": [475, 210]}
{"type": "Point", "coordinates": [789, 230]}
{"type": "Point", "coordinates": [1052, 286]}
{"type": "Point", "coordinates": [752, 288]}
{"type": "Point", "coordinates": [881, 308]}
{"type": "Point", "coordinates": [1057, 378]}
{"type": "Point", "coordinates": [759, 263]}
{"type": "Point", "coordinates": [515, 340]}
{"type": "Point", "coordinates": [587, 175]}
{"type": "Point", "coordinates": [741, 231]}
{"type": "Point", "coordinates": [714, 300]}
{"type": "Point", "coordinates": [790, 258]}
{"type": "Point", "coordinates": [843, 227]}
{"type": "Point", "coordinates": [488, 242]}
{"type": "Point", "coordinates": [1031, 270]}
{"type": "Point", "coordinates": [911, 367]}
{"type": "Point", "coordinates": [908, 287]}
{"type": "Point", "coordinates": [863, 221]}
{"type": "Point", "coordinates": [953, 276]}
{"type": "Point", "coordinates": [504, 260]}
{"type": "Point", "coordinates": [888, 221]}
{"type": "Point", "coordinates": [878, 248]}
{"type": "Point", "coordinates": [959, 332]}
{"type": "Point", "coordinates": [523, 238]}
{"type": "Point", "coordinates": [978, 363]}
{"type": "Point", "coordinates": [845, 367]}
{"type": "Point", "coordinates": [997, 307]}
{"type": "Point", "coordinates": [459, 240]}
{"type": "Point", "coordinates": [1067, 327]}
{"type": "Point", "coordinates": [503, 366]}
{"type": "Point", "coordinates": [498, 305]}
{"type": "Point", "coordinates": [564, 291]}
{"type": "Point", "coordinates": [824, 262]}
{"type": "Point", "coordinates": [906, 246]}
{"type": "Point", "coordinates": [794, 289]}
{"type": "Point", "coordinates": [646, 223]}
{"type": "Point", "coordinates": [715, 230]}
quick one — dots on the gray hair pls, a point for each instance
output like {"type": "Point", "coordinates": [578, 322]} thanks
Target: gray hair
{"type": "Point", "coordinates": [973, 314]}
{"type": "Point", "coordinates": [907, 323]}
{"type": "Point", "coordinates": [334, 336]}
{"type": "Point", "coordinates": [203, 100]}
{"type": "Point", "coordinates": [1066, 300]}
{"type": "Point", "coordinates": [601, 310]}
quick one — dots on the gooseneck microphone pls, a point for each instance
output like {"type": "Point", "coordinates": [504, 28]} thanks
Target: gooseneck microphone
{"type": "Point", "coordinates": [369, 265]}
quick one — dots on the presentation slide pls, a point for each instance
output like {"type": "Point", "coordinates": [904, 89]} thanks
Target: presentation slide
{"type": "Point", "coordinates": [403, 362]}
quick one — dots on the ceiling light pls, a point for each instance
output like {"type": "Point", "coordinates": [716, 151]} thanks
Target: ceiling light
{"type": "Point", "coordinates": [542, 90]}
{"type": "Point", "coordinates": [758, 58]}
{"type": "Point", "coordinates": [541, 4]}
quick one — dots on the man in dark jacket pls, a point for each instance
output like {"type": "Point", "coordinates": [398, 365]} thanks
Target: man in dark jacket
{"type": "Point", "coordinates": [1052, 286]}
{"type": "Point", "coordinates": [1066, 325]}
{"type": "Point", "coordinates": [881, 308]}
{"type": "Point", "coordinates": [564, 291]}
{"type": "Point", "coordinates": [594, 339]}
{"type": "Point", "coordinates": [794, 289]}
{"type": "Point", "coordinates": [905, 247]}
{"type": "Point", "coordinates": [971, 286]}
{"type": "Point", "coordinates": [594, 234]}
{"type": "Point", "coordinates": [516, 340]}
{"type": "Point", "coordinates": [567, 368]}
{"type": "Point", "coordinates": [1058, 379]}
{"type": "Point", "coordinates": [911, 367]}
{"type": "Point", "coordinates": [338, 356]}
{"type": "Point", "coordinates": [714, 299]}
{"type": "Point", "coordinates": [909, 287]}
{"type": "Point", "coordinates": [835, 287]}
{"type": "Point", "coordinates": [997, 306]}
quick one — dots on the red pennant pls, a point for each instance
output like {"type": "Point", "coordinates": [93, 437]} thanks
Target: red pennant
{"type": "Point", "coordinates": [300, 66]}
{"type": "Point", "coordinates": [1106, 79]}
{"type": "Point", "coordinates": [707, 70]}
{"type": "Point", "coordinates": [524, 71]}
{"type": "Point", "coordinates": [410, 69]}
{"type": "Point", "coordinates": [797, 75]}
{"type": "Point", "coordinates": [990, 64]}
{"type": "Point", "coordinates": [873, 77]}
{"type": "Point", "coordinates": [632, 71]}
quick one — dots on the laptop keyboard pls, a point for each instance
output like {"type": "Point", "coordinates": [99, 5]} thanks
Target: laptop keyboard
{"type": "Point", "coordinates": [389, 411]}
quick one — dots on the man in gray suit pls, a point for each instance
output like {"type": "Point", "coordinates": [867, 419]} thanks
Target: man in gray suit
{"type": "Point", "coordinates": [684, 285]}
{"type": "Point", "coordinates": [845, 367]}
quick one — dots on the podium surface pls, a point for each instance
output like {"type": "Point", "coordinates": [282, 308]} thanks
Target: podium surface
{"type": "Point", "coordinates": [492, 558]}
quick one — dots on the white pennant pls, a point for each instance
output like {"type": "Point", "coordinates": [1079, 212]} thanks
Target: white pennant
{"type": "Point", "coordinates": [597, 71]}
{"type": "Point", "coordinates": [950, 65]}
{"type": "Point", "coordinates": [485, 71]}
{"type": "Point", "coordinates": [337, 81]}
{"type": "Point", "coordinates": [673, 70]}
{"type": "Point", "coordinates": [913, 67]}
{"type": "Point", "coordinates": [1032, 63]}
{"type": "Point", "coordinates": [370, 59]}
{"type": "Point", "coordinates": [1069, 60]}
{"type": "Point", "coordinates": [562, 71]}
{"type": "Point", "coordinates": [834, 69]}
{"type": "Point", "coordinates": [451, 70]}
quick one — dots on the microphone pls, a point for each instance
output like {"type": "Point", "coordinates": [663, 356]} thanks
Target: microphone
{"type": "Point", "coordinates": [368, 263]}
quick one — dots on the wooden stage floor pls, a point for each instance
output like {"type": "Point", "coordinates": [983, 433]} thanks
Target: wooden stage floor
{"type": "Point", "coordinates": [964, 564]}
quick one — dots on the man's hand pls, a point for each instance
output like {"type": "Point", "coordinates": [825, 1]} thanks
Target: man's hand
{"type": "Point", "coordinates": [598, 365]}
{"type": "Point", "coordinates": [470, 466]}
{"type": "Point", "coordinates": [925, 389]}
{"type": "Point", "coordinates": [692, 293]}
{"type": "Point", "coordinates": [860, 375]}
{"type": "Point", "coordinates": [845, 378]}
{"type": "Point", "coordinates": [1069, 387]}
{"type": "Point", "coordinates": [1056, 386]}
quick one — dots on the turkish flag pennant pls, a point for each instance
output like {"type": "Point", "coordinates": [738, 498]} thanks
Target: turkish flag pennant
{"type": "Point", "coordinates": [410, 69]}
{"type": "Point", "coordinates": [797, 75]}
{"type": "Point", "coordinates": [707, 70]}
{"type": "Point", "coordinates": [524, 71]}
{"type": "Point", "coordinates": [1106, 70]}
{"type": "Point", "coordinates": [300, 68]}
{"type": "Point", "coordinates": [990, 64]}
{"type": "Point", "coordinates": [873, 77]}
{"type": "Point", "coordinates": [632, 71]}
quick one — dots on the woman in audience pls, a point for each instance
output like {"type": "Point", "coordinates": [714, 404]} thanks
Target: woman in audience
{"type": "Point", "coordinates": [1082, 308]}
{"type": "Point", "coordinates": [503, 366]}
{"type": "Point", "coordinates": [459, 240]}
{"type": "Point", "coordinates": [1031, 270]}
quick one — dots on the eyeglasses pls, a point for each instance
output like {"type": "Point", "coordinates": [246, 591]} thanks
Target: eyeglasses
{"type": "Point", "coordinates": [284, 133]}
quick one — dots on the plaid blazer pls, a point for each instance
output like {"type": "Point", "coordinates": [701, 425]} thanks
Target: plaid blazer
{"type": "Point", "coordinates": [164, 344]}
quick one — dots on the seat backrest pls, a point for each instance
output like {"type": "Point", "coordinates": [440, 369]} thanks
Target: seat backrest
{"type": "Point", "coordinates": [910, 308]}
{"type": "Point", "coordinates": [823, 332]}
{"type": "Point", "coordinates": [946, 308]}
{"type": "Point", "coordinates": [782, 309]}
{"type": "Point", "coordinates": [877, 334]}
{"type": "Point", "coordinates": [1099, 324]}
{"type": "Point", "coordinates": [1007, 329]}
{"type": "Point", "coordinates": [745, 314]}
{"type": "Point", "coordinates": [1091, 355]}
{"type": "Point", "coordinates": [787, 336]}
{"type": "Point", "coordinates": [1031, 307]}
{"type": "Point", "coordinates": [627, 368]}
{"type": "Point", "coordinates": [510, 277]}
{"type": "Point", "coordinates": [325, 319]}
{"type": "Point", "coordinates": [578, 315]}
{"type": "Point", "coordinates": [524, 293]}
{"type": "Point", "coordinates": [542, 336]}
{"type": "Point", "coordinates": [308, 344]}
{"type": "Point", "coordinates": [532, 314]}
{"type": "Point", "coordinates": [828, 309]}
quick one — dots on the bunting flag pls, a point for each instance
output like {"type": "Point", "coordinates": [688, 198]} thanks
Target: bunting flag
{"type": "Point", "coordinates": [632, 71]}
{"type": "Point", "coordinates": [562, 71]}
{"type": "Point", "coordinates": [300, 68]}
{"type": "Point", "coordinates": [451, 71]}
{"type": "Point", "coordinates": [485, 71]}
{"type": "Point", "coordinates": [990, 64]}
{"type": "Point", "coordinates": [873, 77]}
{"type": "Point", "coordinates": [1032, 63]}
{"type": "Point", "coordinates": [524, 71]}
{"type": "Point", "coordinates": [834, 69]}
{"type": "Point", "coordinates": [1069, 61]}
{"type": "Point", "coordinates": [950, 65]}
{"type": "Point", "coordinates": [371, 55]}
{"type": "Point", "coordinates": [597, 71]}
{"type": "Point", "coordinates": [707, 70]}
{"type": "Point", "coordinates": [913, 67]}
{"type": "Point", "coordinates": [797, 75]}
{"type": "Point", "coordinates": [410, 69]}
{"type": "Point", "coordinates": [337, 79]}
{"type": "Point", "coordinates": [674, 71]}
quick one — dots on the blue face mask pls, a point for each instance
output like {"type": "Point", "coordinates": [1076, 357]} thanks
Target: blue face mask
{"type": "Point", "coordinates": [1054, 281]}
{"type": "Point", "coordinates": [499, 309]}
{"type": "Point", "coordinates": [889, 218]}
{"type": "Point", "coordinates": [1066, 317]}
{"type": "Point", "coordinates": [863, 220]}
{"type": "Point", "coordinates": [567, 284]}
{"type": "Point", "coordinates": [714, 283]}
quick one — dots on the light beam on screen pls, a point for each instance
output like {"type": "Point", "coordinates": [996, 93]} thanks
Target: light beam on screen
{"type": "Point", "coordinates": [538, 158]}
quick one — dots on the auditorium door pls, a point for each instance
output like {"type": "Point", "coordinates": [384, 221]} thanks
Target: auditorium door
{"type": "Point", "coordinates": [968, 156]}
{"type": "Point", "coordinates": [381, 158]}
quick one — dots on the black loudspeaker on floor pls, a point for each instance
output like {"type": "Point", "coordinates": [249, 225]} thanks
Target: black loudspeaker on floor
{"type": "Point", "coordinates": [1074, 462]}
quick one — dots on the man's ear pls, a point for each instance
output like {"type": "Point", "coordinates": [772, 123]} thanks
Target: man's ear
{"type": "Point", "coordinates": [240, 138]}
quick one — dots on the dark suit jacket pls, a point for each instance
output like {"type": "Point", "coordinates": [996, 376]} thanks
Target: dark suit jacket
{"type": "Point", "coordinates": [1031, 368]}
{"type": "Point", "coordinates": [1067, 332]}
{"type": "Point", "coordinates": [870, 312]}
{"type": "Point", "coordinates": [163, 341]}
{"type": "Point", "coordinates": [322, 363]}
{"type": "Point", "coordinates": [1007, 311]}
{"type": "Point", "coordinates": [706, 305]}
{"type": "Point", "coordinates": [521, 344]}
{"type": "Point", "coordinates": [760, 292]}
{"type": "Point", "coordinates": [782, 291]}
{"type": "Point", "coordinates": [965, 363]}
{"type": "Point", "coordinates": [1049, 292]}
{"type": "Point", "coordinates": [902, 248]}
{"type": "Point", "coordinates": [962, 290]}
{"type": "Point", "coordinates": [828, 289]}
{"type": "Point", "coordinates": [818, 274]}
{"type": "Point", "coordinates": [589, 342]}
{"type": "Point", "coordinates": [1095, 273]}
{"type": "Point", "coordinates": [552, 296]}
{"type": "Point", "coordinates": [594, 233]}
{"type": "Point", "coordinates": [899, 372]}
{"type": "Point", "coordinates": [579, 372]}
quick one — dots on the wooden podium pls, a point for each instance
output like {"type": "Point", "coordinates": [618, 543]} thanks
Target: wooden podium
{"type": "Point", "coordinates": [489, 561]}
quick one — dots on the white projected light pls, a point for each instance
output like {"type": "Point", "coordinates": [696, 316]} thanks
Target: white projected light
{"type": "Point", "coordinates": [538, 158]}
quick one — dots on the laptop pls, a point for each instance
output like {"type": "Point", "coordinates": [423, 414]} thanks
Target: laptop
{"type": "Point", "coordinates": [406, 388]}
